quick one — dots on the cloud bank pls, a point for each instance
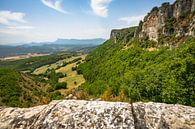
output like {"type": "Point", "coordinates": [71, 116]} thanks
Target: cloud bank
{"type": "Point", "coordinates": [54, 5]}
{"type": "Point", "coordinates": [100, 7]}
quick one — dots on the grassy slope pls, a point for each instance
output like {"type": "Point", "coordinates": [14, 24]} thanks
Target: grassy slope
{"type": "Point", "coordinates": [164, 75]}
{"type": "Point", "coordinates": [20, 90]}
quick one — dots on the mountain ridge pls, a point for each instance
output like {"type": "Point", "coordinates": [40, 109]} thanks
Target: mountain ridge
{"type": "Point", "coordinates": [177, 19]}
{"type": "Point", "coordinates": [64, 45]}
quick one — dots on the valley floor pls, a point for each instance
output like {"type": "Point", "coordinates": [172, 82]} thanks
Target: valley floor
{"type": "Point", "coordinates": [73, 79]}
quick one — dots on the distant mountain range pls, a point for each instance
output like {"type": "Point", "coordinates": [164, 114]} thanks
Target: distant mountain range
{"type": "Point", "coordinates": [66, 45]}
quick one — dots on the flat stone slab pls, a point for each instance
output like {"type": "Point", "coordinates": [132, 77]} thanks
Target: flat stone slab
{"type": "Point", "coordinates": [80, 114]}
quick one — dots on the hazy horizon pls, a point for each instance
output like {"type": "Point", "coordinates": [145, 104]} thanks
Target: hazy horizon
{"type": "Point", "coordinates": [30, 21]}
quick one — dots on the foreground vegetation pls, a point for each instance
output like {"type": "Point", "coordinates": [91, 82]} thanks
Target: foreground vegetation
{"type": "Point", "coordinates": [139, 73]}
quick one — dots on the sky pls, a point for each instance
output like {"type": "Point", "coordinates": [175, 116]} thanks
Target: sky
{"type": "Point", "coordinates": [26, 21]}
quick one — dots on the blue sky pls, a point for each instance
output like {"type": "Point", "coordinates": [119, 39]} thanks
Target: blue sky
{"type": "Point", "coordinates": [24, 21]}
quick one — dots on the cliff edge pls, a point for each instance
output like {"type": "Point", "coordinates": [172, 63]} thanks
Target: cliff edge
{"type": "Point", "coordinates": [175, 19]}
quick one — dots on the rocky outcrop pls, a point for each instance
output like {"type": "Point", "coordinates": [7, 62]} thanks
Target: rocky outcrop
{"type": "Point", "coordinates": [176, 19]}
{"type": "Point", "coordinates": [76, 114]}
{"type": "Point", "coordinates": [122, 34]}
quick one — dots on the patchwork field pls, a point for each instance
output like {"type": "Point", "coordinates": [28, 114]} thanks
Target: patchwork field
{"type": "Point", "coordinates": [73, 79]}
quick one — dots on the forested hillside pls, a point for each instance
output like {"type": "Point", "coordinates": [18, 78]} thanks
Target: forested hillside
{"type": "Point", "coordinates": [17, 89]}
{"type": "Point", "coordinates": [152, 62]}
{"type": "Point", "coordinates": [141, 71]}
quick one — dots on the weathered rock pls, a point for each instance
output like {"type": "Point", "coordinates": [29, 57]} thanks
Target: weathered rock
{"type": "Point", "coordinates": [70, 96]}
{"type": "Point", "coordinates": [122, 34]}
{"type": "Point", "coordinates": [76, 114]}
{"type": "Point", "coordinates": [176, 19]}
{"type": "Point", "coordinates": [164, 116]}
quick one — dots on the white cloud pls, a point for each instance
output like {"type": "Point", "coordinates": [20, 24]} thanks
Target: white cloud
{"type": "Point", "coordinates": [132, 20]}
{"type": "Point", "coordinates": [54, 5]}
{"type": "Point", "coordinates": [100, 7]}
{"type": "Point", "coordinates": [21, 27]}
{"type": "Point", "coordinates": [7, 17]}
{"type": "Point", "coordinates": [13, 27]}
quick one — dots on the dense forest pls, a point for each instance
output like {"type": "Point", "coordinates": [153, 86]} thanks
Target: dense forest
{"type": "Point", "coordinates": [142, 70]}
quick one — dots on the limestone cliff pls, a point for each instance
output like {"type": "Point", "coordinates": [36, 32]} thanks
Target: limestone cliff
{"type": "Point", "coordinates": [122, 34]}
{"type": "Point", "coordinates": [76, 114]}
{"type": "Point", "coordinates": [177, 19]}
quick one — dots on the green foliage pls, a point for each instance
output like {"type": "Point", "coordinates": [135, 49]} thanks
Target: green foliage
{"type": "Point", "coordinates": [61, 75]}
{"type": "Point", "coordinates": [52, 76]}
{"type": "Point", "coordinates": [18, 90]}
{"type": "Point", "coordinates": [61, 85]}
{"type": "Point", "coordinates": [9, 87]}
{"type": "Point", "coordinates": [31, 64]}
{"type": "Point", "coordinates": [64, 64]}
{"type": "Point", "coordinates": [56, 95]}
{"type": "Point", "coordinates": [74, 68]}
{"type": "Point", "coordinates": [75, 60]}
{"type": "Point", "coordinates": [154, 9]}
{"type": "Point", "coordinates": [162, 76]}
{"type": "Point", "coordinates": [165, 4]}
{"type": "Point", "coordinates": [184, 15]}
{"type": "Point", "coordinates": [170, 25]}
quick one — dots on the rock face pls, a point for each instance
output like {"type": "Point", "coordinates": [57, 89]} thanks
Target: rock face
{"type": "Point", "coordinates": [177, 19]}
{"type": "Point", "coordinates": [76, 114]}
{"type": "Point", "coordinates": [122, 34]}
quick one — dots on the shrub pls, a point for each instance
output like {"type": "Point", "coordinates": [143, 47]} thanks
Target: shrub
{"type": "Point", "coordinates": [74, 68]}
{"type": "Point", "coordinates": [56, 95]}
{"type": "Point", "coordinates": [61, 85]}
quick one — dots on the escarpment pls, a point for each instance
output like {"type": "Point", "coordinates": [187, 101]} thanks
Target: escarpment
{"type": "Point", "coordinates": [122, 34]}
{"type": "Point", "coordinates": [177, 19]}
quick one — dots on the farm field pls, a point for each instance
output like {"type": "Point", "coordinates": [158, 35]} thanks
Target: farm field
{"type": "Point", "coordinates": [72, 78]}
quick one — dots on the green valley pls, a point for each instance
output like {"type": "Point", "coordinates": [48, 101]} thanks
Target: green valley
{"type": "Point", "coordinates": [38, 80]}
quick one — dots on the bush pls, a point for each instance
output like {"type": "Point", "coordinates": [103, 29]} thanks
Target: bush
{"type": "Point", "coordinates": [61, 85]}
{"type": "Point", "coordinates": [56, 95]}
{"type": "Point", "coordinates": [74, 68]}
{"type": "Point", "coordinates": [60, 75]}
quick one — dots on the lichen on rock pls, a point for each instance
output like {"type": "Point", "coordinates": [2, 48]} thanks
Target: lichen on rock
{"type": "Point", "coordinates": [98, 114]}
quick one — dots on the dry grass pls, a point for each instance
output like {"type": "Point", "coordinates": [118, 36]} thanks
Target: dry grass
{"type": "Point", "coordinates": [73, 79]}
{"type": "Point", "coordinates": [44, 68]}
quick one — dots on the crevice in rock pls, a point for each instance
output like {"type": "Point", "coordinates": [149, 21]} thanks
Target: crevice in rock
{"type": "Point", "coordinates": [139, 121]}
{"type": "Point", "coordinates": [134, 117]}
